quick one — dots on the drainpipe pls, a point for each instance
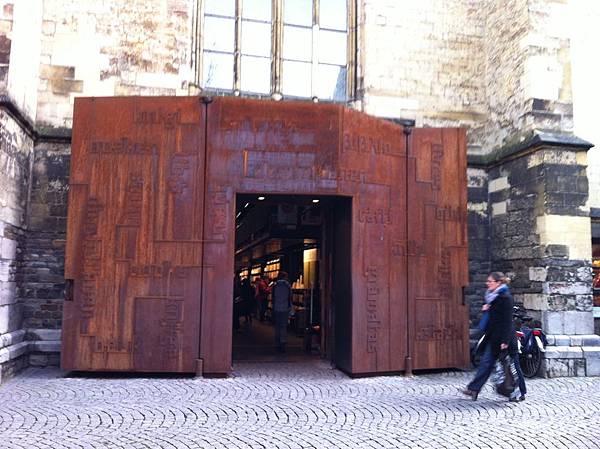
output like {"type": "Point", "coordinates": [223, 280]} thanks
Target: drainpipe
{"type": "Point", "coordinates": [408, 361]}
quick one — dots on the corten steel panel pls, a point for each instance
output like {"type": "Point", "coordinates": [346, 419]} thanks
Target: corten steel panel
{"type": "Point", "coordinates": [373, 157]}
{"type": "Point", "coordinates": [301, 148]}
{"type": "Point", "coordinates": [256, 147]}
{"type": "Point", "coordinates": [437, 251]}
{"type": "Point", "coordinates": [134, 237]}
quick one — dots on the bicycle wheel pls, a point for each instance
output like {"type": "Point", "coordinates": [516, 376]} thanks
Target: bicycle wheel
{"type": "Point", "coordinates": [531, 361]}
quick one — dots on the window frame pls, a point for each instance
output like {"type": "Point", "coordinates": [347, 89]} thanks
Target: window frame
{"type": "Point", "coordinates": [276, 54]}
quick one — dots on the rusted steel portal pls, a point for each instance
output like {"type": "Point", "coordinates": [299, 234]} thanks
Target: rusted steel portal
{"type": "Point", "coordinates": [150, 251]}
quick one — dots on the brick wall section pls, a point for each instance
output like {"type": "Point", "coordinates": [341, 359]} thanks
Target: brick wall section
{"type": "Point", "coordinates": [111, 48]}
{"type": "Point", "coordinates": [42, 266]}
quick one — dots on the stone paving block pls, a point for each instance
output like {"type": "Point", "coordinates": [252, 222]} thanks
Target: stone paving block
{"type": "Point", "coordinates": [284, 405]}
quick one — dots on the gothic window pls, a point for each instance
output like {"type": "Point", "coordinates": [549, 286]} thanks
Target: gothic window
{"type": "Point", "coordinates": [297, 48]}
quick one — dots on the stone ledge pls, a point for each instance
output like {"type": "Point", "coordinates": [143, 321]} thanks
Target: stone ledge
{"type": "Point", "coordinates": [43, 334]}
{"type": "Point", "coordinates": [44, 346]}
{"type": "Point", "coordinates": [534, 141]}
{"type": "Point", "coordinates": [573, 340]}
{"type": "Point", "coordinates": [11, 338]}
{"type": "Point", "coordinates": [14, 351]}
{"type": "Point", "coordinates": [563, 352]}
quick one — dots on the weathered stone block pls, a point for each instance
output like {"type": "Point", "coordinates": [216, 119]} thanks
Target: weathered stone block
{"type": "Point", "coordinates": [535, 301]}
{"type": "Point", "coordinates": [592, 360]}
{"type": "Point", "coordinates": [498, 184]}
{"type": "Point", "coordinates": [584, 303]}
{"type": "Point", "coordinates": [11, 317]}
{"type": "Point", "coordinates": [578, 323]}
{"type": "Point", "coordinates": [560, 340]}
{"type": "Point", "coordinates": [556, 367]}
{"type": "Point", "coordinates": [590, 340]}
{"type": "Point", "coordinates": [12, 338]}
{"type": "Point", "coordinates": [8, 293]}
{"type": "Point", "coordinates": [538, 274]}
{"type": "Point", "coordinates": [568, 323]}
{"type": "Point", "coordinates": [12, 352]}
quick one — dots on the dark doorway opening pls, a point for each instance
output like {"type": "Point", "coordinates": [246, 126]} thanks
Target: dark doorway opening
{"type": "Point", "coordinates": [309, 239]}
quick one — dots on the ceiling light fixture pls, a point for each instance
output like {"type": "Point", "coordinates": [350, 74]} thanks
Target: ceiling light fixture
{"type": "Point", "coordinates": [261, 198]}
{"type": "Point", "coordinates": [315, 201]}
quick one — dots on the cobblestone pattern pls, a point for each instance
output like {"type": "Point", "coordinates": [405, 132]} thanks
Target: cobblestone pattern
{"type": "Point", "coordinates": [292, 405]}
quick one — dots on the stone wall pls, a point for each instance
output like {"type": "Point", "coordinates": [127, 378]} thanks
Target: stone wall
{"type": "Point", "coordinates": [479, 240]}
{"type": "Point", "coordinates": [586, 95]}
{"type": "Point", "coordinates": [16, 152]}
{"type": "Point", "coordinates": [42, 267]}
{"type": "Point", "coordinates": [111, 48]}
{"type": "Point", "coordinates": [6, 24]}
{"type": "Point", "coordinates": [540, 235]}
{"type": "Point", "coordinates": [424, 61]}
{"type": "Point", "coordinates": [528, 76]}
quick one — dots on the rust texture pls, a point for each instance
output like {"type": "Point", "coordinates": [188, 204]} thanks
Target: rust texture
{"type": "Point", "coordinates": [152, 208]}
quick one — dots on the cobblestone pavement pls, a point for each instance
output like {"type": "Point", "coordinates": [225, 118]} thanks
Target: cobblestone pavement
{"type": "Point", "coordinates": [292, 406]}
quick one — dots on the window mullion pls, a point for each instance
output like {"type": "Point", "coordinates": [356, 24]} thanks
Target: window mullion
{"type": "Point", "coordinates": [352, 50]}
{"type": "Point", "coordinates": [276, 46]}
{"type": "Point", "coordinates": [237, 51]}
{"type": "Point", "coordinates": [315, 47]}
{"type": "Point", "coordinates": [199, 46]}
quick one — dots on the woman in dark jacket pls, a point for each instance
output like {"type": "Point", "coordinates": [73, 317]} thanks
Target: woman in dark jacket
{"type": "Point", "coordinates": [500, 334]}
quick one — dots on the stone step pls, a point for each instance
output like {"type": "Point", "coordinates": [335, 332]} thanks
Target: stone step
{"type": "Point", "coordinates": [573, 340]}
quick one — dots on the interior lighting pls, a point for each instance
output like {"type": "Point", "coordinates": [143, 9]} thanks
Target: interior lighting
{"type": "Point", "coordinates": [315, 201]}
{"type": "Point", "coordinates": [261, 198]}
{"type": "Point", "coordinates": [246, 205]}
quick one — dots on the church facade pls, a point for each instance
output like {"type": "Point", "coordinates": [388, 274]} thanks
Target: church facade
{"type": "Point", "coordinates": [513, 73]}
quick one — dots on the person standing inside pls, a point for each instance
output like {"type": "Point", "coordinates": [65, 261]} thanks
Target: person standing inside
{"type": "Point", "coordinates": [262, 290]}
{"type": "Point", "coordinates": [282, 303]}
{"type": "Point", "coordinates": [500, 335]}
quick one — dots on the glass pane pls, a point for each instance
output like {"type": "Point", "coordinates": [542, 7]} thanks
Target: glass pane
{"type": "Point", "coordinates": [333, 15]}
{"type": "Point", "coordinates": [217, 70]}
{"type": "Point", "coordinates": [220, 7]}
{"type": "Point", "coordinates": [297, 43]}
{"type": "Point", "coordinates": [296, 79]}
{"type": "Point", "coordinates": [331, 84]}
{"type": "Point", "coordinates": [332, 47]}
{"type": "Point", "coordinates": [257, 10]}
{"type": "Point", "coordinates": [256, 75]}
{"type": "Point", "coordinates": [256, 38]}
{"type": "Point", "coordinates": [219, 34]}
{"type": "Point", "coordinates": [297, 12]}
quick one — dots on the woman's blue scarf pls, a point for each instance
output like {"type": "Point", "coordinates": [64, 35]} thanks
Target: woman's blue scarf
{"type": "Point", "coordinates": [489, 298]}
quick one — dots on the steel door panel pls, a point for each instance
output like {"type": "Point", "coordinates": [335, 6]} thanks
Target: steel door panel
{"type": "Point", "coordinates": [136, 183]}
